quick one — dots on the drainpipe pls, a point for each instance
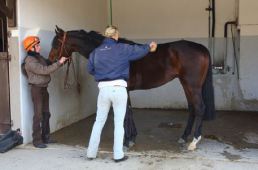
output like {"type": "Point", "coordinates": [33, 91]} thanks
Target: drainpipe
{"type": "Point", "coordinates": [110, 22]}
{"type": "Point", "coordinates": [213, 18]}
{"type": "Point", "coordinates": [212, 13]}
{"type": "Point", "coordinates": [213, 28]}
{"type": "Point", "coordinates": [225, 67]}
{"type": "Point", "coordinates": [209, 24]}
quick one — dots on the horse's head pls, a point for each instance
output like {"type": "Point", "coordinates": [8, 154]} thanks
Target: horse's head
{"type": "Point", "coordinates": [60, 47]}
{"type": "Point", "coordinates": [65, 43]}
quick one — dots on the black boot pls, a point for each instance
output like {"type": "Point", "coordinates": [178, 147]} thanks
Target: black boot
{"type": "Point", "coordinates": [122, 159]}
{"type": "Point", "coordinates": [46, 129]}
{"type": "Point", "coordinates": [40, 145]}
{"type": "Point", "coordinates": [49, 141]}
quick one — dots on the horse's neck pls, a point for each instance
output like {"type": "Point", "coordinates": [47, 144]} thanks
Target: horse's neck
{"type": "Point", "coordinates": [84, 53]}
{"type": "Point", "coordinates": [84, 49]}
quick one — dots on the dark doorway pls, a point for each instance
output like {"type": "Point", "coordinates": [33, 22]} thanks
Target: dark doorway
{"type": "Point", "coordinates": [5, 114]}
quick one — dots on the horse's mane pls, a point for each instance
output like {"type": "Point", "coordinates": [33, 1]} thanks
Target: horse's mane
{"type": "Point", "coordinates": [93, 37]}
{"type": "Point", "coordinates": [87, 41]}
{"type": "Point", "coordinates": [97, 37]}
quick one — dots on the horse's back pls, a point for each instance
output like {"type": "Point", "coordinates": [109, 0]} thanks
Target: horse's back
{"type": "Point", "coordinates": [190, 55]}
{"type": "Point", "coordinates": [188, 46]}
{"type": "Point", "coordinates": [171, 60]}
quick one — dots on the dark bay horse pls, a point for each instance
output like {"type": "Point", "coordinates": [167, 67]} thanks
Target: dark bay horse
{"type": "Point", "coordinates": [188, 61]}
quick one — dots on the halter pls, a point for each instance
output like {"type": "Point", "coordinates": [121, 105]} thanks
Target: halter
{"type": "Point", "coordinates": [63, 46]}
{"type": "Point", "coordinates": [70, 60]}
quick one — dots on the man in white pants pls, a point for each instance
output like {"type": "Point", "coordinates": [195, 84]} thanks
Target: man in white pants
{"type": "Point", "coordinates": [109, 64]}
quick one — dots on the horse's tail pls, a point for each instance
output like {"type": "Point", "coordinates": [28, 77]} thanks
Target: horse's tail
{"type": "Point", "coordinates": [208, 94]}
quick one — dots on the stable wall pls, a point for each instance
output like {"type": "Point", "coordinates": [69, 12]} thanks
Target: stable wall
{"type": "Point", "coordinates": [171, 20]}
{"type": "Point", "coordinates": [39, 18]}
{"type": "Point", "coordinates": [167, 19]}
{"type": "Point", "coordinates": [248, 26]}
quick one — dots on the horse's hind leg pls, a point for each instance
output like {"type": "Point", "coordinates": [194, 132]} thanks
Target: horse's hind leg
{"type": "Point", "coordinates": [129, 127]}
{"type": "Point", "coordinates": [196, 108]}
{"type": "Point", "coordinates": [197, 133]}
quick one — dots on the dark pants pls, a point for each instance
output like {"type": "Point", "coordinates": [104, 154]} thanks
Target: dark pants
{"type": "Point", "coordinates": [40, 99]}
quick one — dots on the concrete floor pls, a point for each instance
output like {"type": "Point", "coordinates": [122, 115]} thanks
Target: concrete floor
{"type": "Point", "coordinates": [211, 155]}
{"type": "Point", "coordinates": [160, 129]}
{"type": "Point", "coordinates": [229, 143]}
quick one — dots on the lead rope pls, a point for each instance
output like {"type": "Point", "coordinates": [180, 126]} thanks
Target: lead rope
{"type": "Point", "coordinates": [68, 85]}
{"type": "Point", "coordinates": [76, 78]}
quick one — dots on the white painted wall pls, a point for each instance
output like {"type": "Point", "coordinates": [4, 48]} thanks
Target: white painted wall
{"type": "Point", "coordinates": [248, 25]}
{"type": "Point", "coordinates": [36, 17]}
{"type": "Point", "coordinates": [166, 19]}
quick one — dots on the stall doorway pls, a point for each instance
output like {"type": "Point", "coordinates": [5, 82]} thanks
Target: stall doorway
{"type": "Point", "coordinates": [5, 114]}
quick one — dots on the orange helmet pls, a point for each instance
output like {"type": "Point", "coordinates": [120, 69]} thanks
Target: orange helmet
{"type": "Point", "coordinates": [30, 41]}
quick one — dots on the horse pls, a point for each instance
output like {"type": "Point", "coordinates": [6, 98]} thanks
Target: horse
{"type": "Point", "coordinates": [188, 61]}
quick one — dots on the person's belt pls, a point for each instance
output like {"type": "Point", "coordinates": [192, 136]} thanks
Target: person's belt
{"type": "Point", "coordinates": [111, 79]}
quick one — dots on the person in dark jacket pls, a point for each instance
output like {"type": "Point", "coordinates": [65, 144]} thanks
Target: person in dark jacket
{"type": "Point", "coordinates": [109, 64]}
{"type": "Point", "coordinates": [38, 72]}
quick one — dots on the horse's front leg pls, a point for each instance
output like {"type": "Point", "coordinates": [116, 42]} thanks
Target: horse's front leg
{"type": "Point", "coordinates": [129, 127]}
{"type": "Point", "coordinates": [199, 110]}
{"type": "Point", "coordinates": [189, 126]}
{"type": "Point", "coordinates": [189, 96]}
{"type": "Point", "coordinates": [197, 134]}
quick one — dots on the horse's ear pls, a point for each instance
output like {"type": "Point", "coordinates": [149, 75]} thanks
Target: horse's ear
{"type": "Point", "coordinates": [59, 31]}
{"type": "Point", "coordinates": [56, 32]}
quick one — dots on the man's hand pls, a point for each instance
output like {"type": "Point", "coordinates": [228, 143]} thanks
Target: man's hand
{"type": "Point", "coordinates": [153, 46]}
{"type": "Point", "coordinates": [62, 60]}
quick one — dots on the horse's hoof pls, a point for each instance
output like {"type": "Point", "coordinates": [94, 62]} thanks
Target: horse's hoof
{"type": "Point", "coordinates": [191, 147]}
{"type": "Point", "coordinates": [193, 144]}
{"type": "Point", "coordinates": [131, 144]}
{"type": "Point", "coordinates": [125, 149]}
{"type": "Point", "coordinates": [181, 141]}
